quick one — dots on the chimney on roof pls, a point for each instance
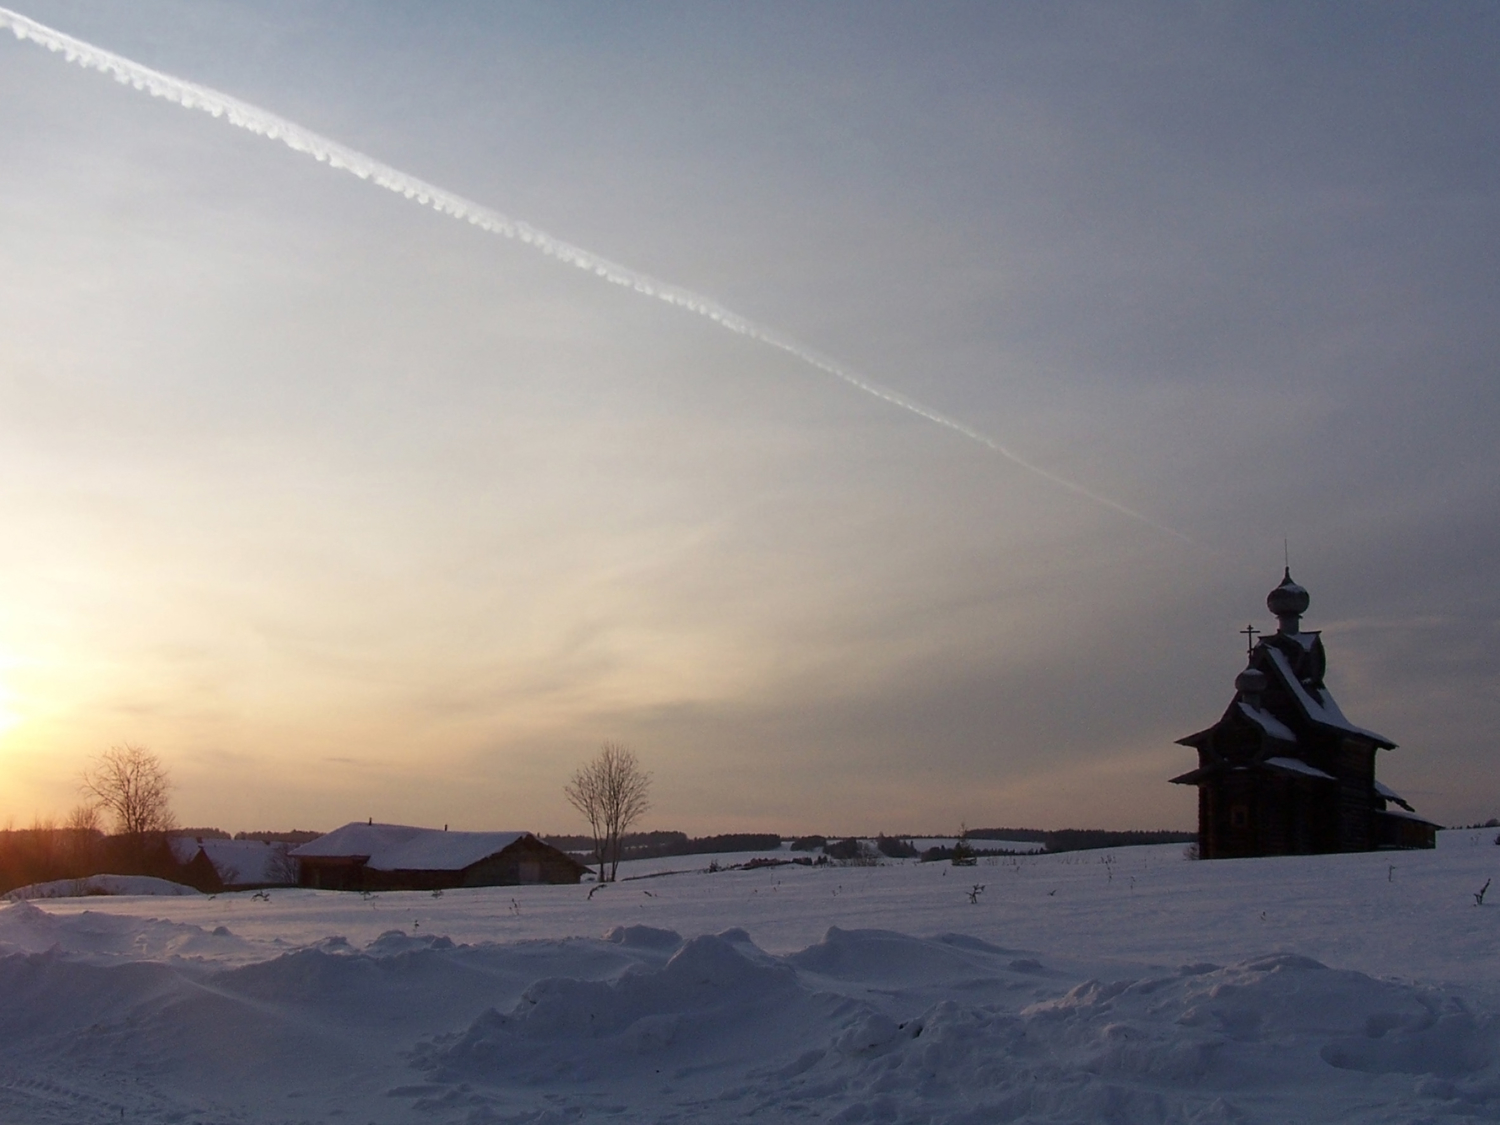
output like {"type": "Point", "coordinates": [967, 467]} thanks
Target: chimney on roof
{"type": "Point", "coordinates": [371, 821]}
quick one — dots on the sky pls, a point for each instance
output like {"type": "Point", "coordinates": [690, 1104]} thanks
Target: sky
{"type": "Point", "coordinates": [349, 509]}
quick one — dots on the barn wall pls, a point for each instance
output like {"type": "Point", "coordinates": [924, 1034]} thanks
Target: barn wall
{"type": "Point", "coordinates": [527, 861]}
{"type": "Point", "coordinates": [331, 874]}
{"type": "Point", "coordinates": [411, 880]}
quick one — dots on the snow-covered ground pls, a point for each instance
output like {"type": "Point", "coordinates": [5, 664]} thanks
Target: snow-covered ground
{"type": "Point", "coordinates": [1122, 986]}
{"type": "Point", "coordinates": [99, 885]}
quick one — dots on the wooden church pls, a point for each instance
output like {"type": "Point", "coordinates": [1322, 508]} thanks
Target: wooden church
{"type": "Point", "coordinates": [1283, 772]}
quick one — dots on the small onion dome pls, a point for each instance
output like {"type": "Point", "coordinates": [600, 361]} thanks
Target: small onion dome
{"type": "Point", "coordinates": [1250, 683]}
{"type": "Point", "coordinates": [1288, 599]}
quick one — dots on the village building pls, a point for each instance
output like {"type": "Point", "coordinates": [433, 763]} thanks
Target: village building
{"type": "Point", "coordinates": [1283, 772]}
{"type": "Point", "coordinates": [213, 865]}
{"type": "Point", "coordinates": [397, 857]}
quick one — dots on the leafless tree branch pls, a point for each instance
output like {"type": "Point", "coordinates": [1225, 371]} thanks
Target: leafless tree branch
{"type": "Point", "coordinates": [130, 783]}
{"type": "Point", "coordinates": [612, 792]}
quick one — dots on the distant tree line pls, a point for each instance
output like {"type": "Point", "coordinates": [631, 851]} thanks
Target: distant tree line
{"type": "Point", "coordinates": [1081, 839]}
{"type": "Point", "coordinates": [43, 853]}
{"type": "Point", "coordinates": [971, 842]}
{"type": "Point", "coordinates": [295, 836]}
{"type": "Point", "coordinates": [964, 853]}
{"type": "Point", "coordinates": [852, 848]}
{"type": "Point", "coordinates": [655, 845]}
{"type": "Point", "coordinates": [130, 786]}
{"type": "Point", "coordinates": [1020, 835]}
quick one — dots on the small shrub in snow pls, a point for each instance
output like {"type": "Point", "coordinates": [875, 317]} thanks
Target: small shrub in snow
{"type": "Point", "coordinates": [895, 847]}
{"type": "Point", "coordinates": [843, 849]}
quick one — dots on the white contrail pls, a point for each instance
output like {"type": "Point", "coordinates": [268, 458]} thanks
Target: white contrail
{"type": "Point", "coordinates": [190, 95]}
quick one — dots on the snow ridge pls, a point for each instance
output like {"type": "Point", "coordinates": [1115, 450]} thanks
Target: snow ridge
{"type": "Point", "coordinates": [642, 1025]}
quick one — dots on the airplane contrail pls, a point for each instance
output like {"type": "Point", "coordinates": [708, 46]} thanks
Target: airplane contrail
{"type": "Point", "coordinates": [262, 122]}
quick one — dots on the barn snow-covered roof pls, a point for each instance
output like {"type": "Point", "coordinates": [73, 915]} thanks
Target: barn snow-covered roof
{"type": "Point", "coordinates": [400, 847]}
{"type": "Point", "coordinates": [237, 861]}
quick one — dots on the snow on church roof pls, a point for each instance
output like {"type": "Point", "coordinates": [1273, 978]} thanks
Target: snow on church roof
{"type": "Point", "coordinates": [1407, 814]}
{"type": "Point", "coordinates": [1391, 795]}
{"type": "Point", "coordinates": [400, 847]}
{"type": "Point", "coordinates": [1268, 723]}
{"type": "Point", "coordinates": [1297, 765]}
{"type": "Point", "coordinates": [1322, 709]}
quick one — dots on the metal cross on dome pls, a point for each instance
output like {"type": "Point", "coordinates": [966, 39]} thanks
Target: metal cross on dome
{"type": "Point", "coordinates": [1250, 632]}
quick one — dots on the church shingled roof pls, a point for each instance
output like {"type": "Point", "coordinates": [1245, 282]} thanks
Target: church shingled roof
{"type": "Point", "coordinates": [1316, 702]}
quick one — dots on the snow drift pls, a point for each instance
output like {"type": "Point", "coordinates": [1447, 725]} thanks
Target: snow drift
{"type": "Point", "coordinates": [99, 885]}
{"type": "Point", "coordinates": [156, 1020]}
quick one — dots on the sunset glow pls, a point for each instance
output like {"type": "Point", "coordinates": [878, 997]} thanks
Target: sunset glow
{"type": "Point", "coordinates": [1050, 334]}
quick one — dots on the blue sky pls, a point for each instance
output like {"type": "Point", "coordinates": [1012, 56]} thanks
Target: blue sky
{"type": "Point", "coordinates": [348, 509]}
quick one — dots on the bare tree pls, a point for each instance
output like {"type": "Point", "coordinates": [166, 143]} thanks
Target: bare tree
{"type": "Point", "coordinates": [84, 819]}
{"type": "Point", "coordinates": [612, 792]}
{"type": "Point", "coordinates": [130, 783]}
{"type": "Point", "coordinates": [283, 867]}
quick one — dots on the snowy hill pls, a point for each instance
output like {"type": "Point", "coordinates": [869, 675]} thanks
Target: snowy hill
{"type": "Point", "coordinates": [1128, 986]}
{"type": "Point", "coordinates": [134, 885]}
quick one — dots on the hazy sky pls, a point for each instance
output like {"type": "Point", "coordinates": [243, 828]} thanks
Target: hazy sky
{"type": "Point", "coordinates": [350, 509]}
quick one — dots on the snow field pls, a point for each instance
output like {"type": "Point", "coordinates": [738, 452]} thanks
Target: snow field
{"type": "Point", "coordinates": [1131, 986]}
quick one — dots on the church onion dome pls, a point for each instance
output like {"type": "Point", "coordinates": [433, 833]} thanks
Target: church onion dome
{"type": "Point", "coordinates": [1250, 683]}
{"type": "Point", "coordinates": [1288, 599]}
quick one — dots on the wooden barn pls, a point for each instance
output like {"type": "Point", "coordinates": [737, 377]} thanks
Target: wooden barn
{"type": "Point", "coordinates": [1283, 772]}
{"type": "Point", "coordinates": [396, 857]}
{"type": "Point", "coordinates": [234, 865]}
